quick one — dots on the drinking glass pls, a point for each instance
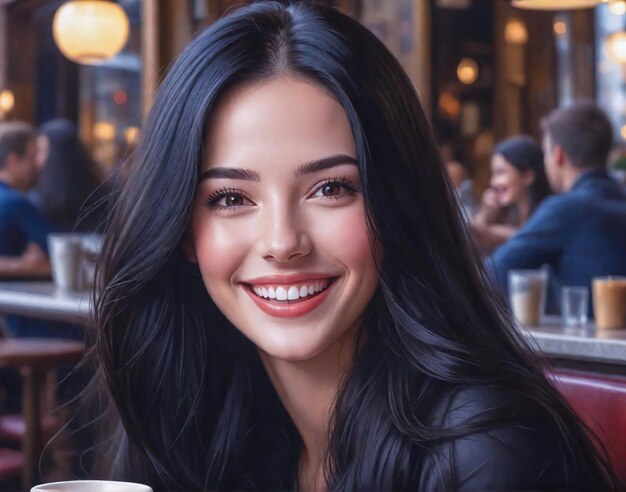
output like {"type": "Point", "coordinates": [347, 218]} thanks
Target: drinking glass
{"type": "Point", "coordinates": [574, 305]}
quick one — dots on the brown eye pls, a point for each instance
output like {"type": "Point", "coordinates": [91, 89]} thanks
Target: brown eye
{"type": "Point", "coordinates": [331, 190]}
{"type": "Point", "coordinates": [233, 200]}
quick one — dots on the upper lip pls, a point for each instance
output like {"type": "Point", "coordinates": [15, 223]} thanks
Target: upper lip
{"type": "Point", "coordinates": [291, 278]}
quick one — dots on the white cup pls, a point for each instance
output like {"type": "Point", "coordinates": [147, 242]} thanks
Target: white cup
{"type": "Point", "coordinates": [91, 486]}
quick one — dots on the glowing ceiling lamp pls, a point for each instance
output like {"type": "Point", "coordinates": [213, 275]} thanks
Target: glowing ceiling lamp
{"type": "Point", "coordinates": [555, 4]}
{"type": "Point", "coordinates": [515, 32]}
{"type": "Point", "coordinates": [615, 47]}
{"type": "Point", "coordinates": [90, 31]}
{"type": "Point", "coordinates": [617, 7]}
{"type": "Point", "coordinates": [467, 71]}
{"type": "Point", "coordinates": [7, 101]}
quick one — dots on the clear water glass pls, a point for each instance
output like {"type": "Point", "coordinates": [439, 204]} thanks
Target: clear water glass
{"type": "Point", "coordinates": [574, 305]}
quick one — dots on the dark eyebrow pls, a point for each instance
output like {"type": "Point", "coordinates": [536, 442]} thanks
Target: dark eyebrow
{"type": "Point", "coordinates": [306, 168]}
{"type": "Point", "coordinates": [230, 173]}
{"type": "Point", "coordinates": [324, 163]}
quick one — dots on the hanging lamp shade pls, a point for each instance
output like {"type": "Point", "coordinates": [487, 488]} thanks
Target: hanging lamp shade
{"type": "Point", "coordinates": [555, 4]}
{"type": "Point", "coordinates": [90, 31]}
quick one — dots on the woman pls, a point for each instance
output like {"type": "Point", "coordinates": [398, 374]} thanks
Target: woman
{"type": "Point", "coordinates": [287, 298]}
{"type": "Point", "coordinates": [518, 185]}
{"type": "Point", "coordinates": [68, 191]}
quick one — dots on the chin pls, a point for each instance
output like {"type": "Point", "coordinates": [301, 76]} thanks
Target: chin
{"type": "Point", "coordinates": [293, 352]}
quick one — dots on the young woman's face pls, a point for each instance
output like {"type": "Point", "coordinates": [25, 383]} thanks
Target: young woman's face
{"type": "Point", "coordinates": [278, 227]}
{"type": "Point", "coordinates": [510, 184]}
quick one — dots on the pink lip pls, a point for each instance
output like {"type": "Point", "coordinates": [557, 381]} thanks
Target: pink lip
{"type": "Point", "coordinates": [291, 278]}
{"type": "Point", "coordinates": [289, 309]}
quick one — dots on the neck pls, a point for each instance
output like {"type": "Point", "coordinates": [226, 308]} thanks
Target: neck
{"type": "Point", "coordinates": [572, 175]}
{"type": "Point", "coordinates": [523, 209]}
{"type": "Point", "coordinates": [308, 390]}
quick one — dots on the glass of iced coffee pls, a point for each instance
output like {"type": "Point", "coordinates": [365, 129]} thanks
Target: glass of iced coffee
{"type": "Point", "coordinates": [609, 302]}
{"type": "Point", "coordinates": [527, 295]}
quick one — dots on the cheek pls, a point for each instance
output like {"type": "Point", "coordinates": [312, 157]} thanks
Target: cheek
{"type": "Point", "coordinates": [343, 233]}
{"type": "Point", "coordinates": [220, 248]}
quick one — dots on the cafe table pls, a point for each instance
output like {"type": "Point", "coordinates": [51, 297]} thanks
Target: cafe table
{"type": "Point", "coordinates": [45, 301]}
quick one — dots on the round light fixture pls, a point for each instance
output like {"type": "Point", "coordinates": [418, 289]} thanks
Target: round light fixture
{"type": "Point", "coordinates": [560, 28]}
{"type": "Point", "coordinates": [104, 130]}
{"type": "Point", "coordinates": [90, 31]}
{"type": "Point", "coordinates": [555, 4]}
{"type": "Point", "coordinates": [617, 7]}
{"type": "Point", "coordinates": [615, 47]}
{"type": "Point", "coordinates": [7, 101]}
{"type": "Point", "coordinates": [467, 71]}
{"type": "Point", "coordinates": [515, 32]}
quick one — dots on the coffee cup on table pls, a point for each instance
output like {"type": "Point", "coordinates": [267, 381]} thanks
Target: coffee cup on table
{"type": "Point", "coordinates": [66, 260]}
{"type": "Point", "coordinates": [527, 295]}
{"type": "Point", "coordinates": [609, 302]}
{"type": "Point", "coordinates": [91, 486]}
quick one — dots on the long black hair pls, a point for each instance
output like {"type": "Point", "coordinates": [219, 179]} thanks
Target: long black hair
{"type": "Point", "coordinates": [193, 405]}
{"type": "Point", "coordinates": [525, 154]}
{"type": "Point", "coordinates": [68, 191]}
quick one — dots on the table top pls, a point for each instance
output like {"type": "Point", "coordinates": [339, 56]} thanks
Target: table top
{"type": "Point", "coordinates": [586, 343]}
{"type": "Point", "coordinates": [44, 300]}
{"type": "Point", "coordinates": [43, 353]}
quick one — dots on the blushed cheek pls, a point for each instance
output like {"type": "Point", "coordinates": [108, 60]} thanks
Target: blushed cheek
{"type": "Point", "coordinates": [344, 235]}
{"type": "Point", "coordinates": [220, 249]}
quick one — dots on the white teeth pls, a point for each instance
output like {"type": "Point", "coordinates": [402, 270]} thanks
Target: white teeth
{"type": "Point", "coordinates": [293, 294]}
{"type": "Point", "coordinates": [281, 294]}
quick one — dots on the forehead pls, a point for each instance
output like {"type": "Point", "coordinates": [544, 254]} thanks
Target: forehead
{"type": "Point", "coordinates": [281, 120]}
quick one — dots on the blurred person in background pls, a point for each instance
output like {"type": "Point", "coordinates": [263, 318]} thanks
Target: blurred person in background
{"type": "Point", "coordinates": [581, 231]}
{"type": "Point", "coordinates": [518, 185]}
{"type": "Point", "coordinates": [23, 229]}
{"type": "Point", "coordinates": [68, 191]}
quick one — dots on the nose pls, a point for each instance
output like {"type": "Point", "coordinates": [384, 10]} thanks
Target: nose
{"type": "Point", "coordinates": [283, 236]}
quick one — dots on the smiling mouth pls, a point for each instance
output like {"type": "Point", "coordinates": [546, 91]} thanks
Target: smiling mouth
{"type": "Point", "coordinates": [291, 294]}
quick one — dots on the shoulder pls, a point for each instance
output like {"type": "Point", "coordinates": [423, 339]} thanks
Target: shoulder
{"type": "Point", "coordinates": [525, 448]}
{"type": "Point", "coordinates": [560, 204]}
{"type": "Point", "coordinates": [12, 200]}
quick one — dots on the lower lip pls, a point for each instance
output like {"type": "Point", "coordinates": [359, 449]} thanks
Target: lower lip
{"type": "Point", "coordinates": [289, 309]}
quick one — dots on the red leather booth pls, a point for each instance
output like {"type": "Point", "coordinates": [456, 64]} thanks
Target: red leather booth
{"type": "Point", "coordinates": [600, 400]}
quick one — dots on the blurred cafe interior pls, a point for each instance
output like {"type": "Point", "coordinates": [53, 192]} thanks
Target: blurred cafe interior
{"type": "Point", "coordinates": [485, 70]}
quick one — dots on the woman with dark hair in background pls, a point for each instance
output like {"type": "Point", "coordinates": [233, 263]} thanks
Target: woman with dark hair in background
{"type": "Point", "coordinates": [68, 191]}
{"type": "Point", "coordinates": [287, 298]}
{"type": "Point", "coordinates": [517, 186]}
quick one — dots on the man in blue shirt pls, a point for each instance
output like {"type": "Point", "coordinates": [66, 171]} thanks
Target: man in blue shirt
{"type": "Point", "coordinates": [23, 229]}
{"type": "Point", "coordinates": [580, 232]}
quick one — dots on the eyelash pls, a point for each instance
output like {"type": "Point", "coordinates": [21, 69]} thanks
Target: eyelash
{"type": "Point", "coordinates": [343, 182]}
{"type": "Point", "coordinates": [212, 200]}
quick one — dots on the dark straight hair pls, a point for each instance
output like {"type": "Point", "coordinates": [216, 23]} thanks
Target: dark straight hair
{"type": "Point", "coordinates": [193, 405]}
